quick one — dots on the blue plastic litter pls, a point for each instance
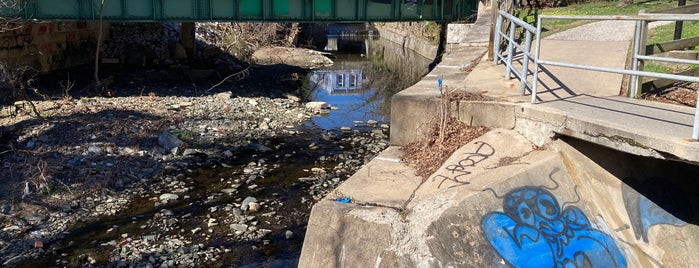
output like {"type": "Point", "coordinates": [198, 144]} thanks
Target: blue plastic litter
{"type": "Point", "coordinates": [343, 200]}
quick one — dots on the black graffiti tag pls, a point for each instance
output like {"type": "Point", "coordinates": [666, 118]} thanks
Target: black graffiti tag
{"type": "Point", "coordinates": [483, 152]}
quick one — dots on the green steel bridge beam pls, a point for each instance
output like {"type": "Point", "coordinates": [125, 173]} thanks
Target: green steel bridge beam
{"type": "Point", "coordinates": [245, 10]}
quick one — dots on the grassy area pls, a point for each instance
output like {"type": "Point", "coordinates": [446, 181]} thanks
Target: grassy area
{"type": "Point", "coordinates": [594, 8]}
{"type": "Point", "coordinates": [665, 33]}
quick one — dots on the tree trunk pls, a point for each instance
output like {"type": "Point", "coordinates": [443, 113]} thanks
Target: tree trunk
{"type": "Point", "coordinates": [99, 46]}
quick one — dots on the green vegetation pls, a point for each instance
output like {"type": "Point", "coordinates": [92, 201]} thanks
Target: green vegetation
{"type": "Point", "coordinates": [656, 68]}
{"type": "Point", "coordinates": [594, 8]}
{"type": "Point", "coordinates": [666, 32]}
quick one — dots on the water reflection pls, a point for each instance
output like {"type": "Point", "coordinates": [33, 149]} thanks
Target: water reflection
{"type": "Point", "coordinates": [367, 71]}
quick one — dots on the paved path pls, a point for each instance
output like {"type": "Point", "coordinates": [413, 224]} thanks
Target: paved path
{"type": "Point", "coordinates": [594, 97]}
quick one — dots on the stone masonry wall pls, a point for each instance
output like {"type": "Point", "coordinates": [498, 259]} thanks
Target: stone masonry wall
{"type": "Point", "coordinates": [46, 46]}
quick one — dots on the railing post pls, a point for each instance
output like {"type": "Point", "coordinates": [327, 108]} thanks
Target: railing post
{"type": "Point", "coordinates": [525, 62]}
{"type": "Point", "coordinates": [535, 81]}
{"type": "Point", "coordinates": [637, 64]}
{"type": "Point", "coordinates": [496, 38]}
{"type": "Point", "coordinates": [634, 61]}
{"type": "Point", "coordinates": [510, 49]}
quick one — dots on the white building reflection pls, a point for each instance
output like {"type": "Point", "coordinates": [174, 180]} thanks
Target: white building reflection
{"type": "Point", "coordinates": [338, 81]}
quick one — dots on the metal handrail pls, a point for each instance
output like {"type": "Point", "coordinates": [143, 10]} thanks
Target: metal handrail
{"type": "Point", "coordinates": [639, 56]}
{"type": "Point", "coordinates": [512, 43]}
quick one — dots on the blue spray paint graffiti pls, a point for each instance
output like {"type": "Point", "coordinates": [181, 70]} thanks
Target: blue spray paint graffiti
{"type": "Point", "coordinates": [657, 202]}
{"type": "Point", "coordinates": [533, 232]}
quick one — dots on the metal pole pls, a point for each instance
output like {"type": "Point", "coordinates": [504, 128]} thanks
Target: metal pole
{"type": "Point", "coordinates": [510, 50]}
{"type": "Point", "coordinates": [496, 39]}
{"type": "Point", "coordinates": [535, 82]}
{"type": "Point", "coordinates": [525, 63]}
{"type": "Point", "coordinates": [634, 63]}
{"type": "Point", "coordinates": [678, 24]}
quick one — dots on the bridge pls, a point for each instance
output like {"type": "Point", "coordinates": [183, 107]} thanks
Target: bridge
{"type": "Point", "coordinates": [243, 10]}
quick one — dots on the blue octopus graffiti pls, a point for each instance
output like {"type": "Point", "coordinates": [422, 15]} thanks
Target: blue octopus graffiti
{"type": "Point", "coordinates": [532, 231]}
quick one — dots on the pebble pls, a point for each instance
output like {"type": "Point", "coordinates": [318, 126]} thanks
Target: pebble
{"type": "Point", "coordinates": [239, 227]}
{"type": "Point", "coordinates": [168, 197]}
{"type": "Point", "coordinates": [253, 207]}
{"type": "Point", "coordinates": [246, 203]}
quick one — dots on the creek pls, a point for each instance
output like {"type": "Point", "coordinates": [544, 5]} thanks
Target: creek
{"type": "Point", "coordinates": [285, 174]}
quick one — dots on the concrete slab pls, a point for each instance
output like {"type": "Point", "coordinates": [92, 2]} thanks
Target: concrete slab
{"type": "Point", "coordinates": [495, 149]}
{"type": "Point", "coordinates": [346, 235]}
{"type": "Point", "coordinates": [640, 127]}
{"type": "Point", "coordinates": [488, 79]}
{"type": "Point", "coordinates": [384, 181]}
{"type": "Point", "coordinates": [559, 82]}
{"type": "Point", "coordinates": [478, 35]}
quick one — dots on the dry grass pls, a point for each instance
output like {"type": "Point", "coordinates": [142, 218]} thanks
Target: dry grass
{"type": "Point", "coordinates": [428, 154]}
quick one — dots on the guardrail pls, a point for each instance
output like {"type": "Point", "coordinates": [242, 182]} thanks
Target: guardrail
{"type": "Point", "coordinates": [640, 35]}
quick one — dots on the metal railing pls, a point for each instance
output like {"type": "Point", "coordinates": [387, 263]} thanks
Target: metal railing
{"type": "Point", "coordinates": [511, 45]}
{"type": "Point", "coordinates": [641, 29]}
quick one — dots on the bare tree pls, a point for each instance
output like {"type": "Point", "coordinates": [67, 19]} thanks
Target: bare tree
{"type": "Point", "coordinates": [99, 46]}
{"type": "Point", "coordinates": [15, 21]}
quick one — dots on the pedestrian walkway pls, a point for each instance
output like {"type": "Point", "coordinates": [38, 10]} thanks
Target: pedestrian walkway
{"type": "Point", "coordinates": [593, 99]}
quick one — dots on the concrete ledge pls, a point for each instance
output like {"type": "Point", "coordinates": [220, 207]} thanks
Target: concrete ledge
{"type": "Point", "coordinates": [346, 235]}
{"type": "Point", "coordinates": [491, 114]}
{"type": "Point", "coordinates": [384, 181]}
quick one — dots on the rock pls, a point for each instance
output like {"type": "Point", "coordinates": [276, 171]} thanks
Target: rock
{"type": "Point", "coordinates": [169, 141]}
{"type": "Point", "coordinates": [345, 129]}
{"type": "Point", "coordinates": [253, 207]}
{"type": "Point", "coordinates": [239, 227]}
{"type": "Point", "coordinates": [94, 149]}
{"type": "Point", "coordinates": [5, 208]}
{"type": "Point", "coordinates": [34, 218]}
{"type": "Point", "coordinates": [293, 98]}
{"type": "Point", "coordinates": [316, 107]}
{"type": "Point", "coordinates": [228, 190]}
{"type": "Point", "coordinates": [246, 203]}
{"type": "Point", "coordinates": [189, 151]}
{"type": "Point", "coordinates": [372, 123]}
{"type": "Point", "coordinates": [167, 212]}
{"type": "Point", "coordinates": [288, 234]}
{"type": "Point", "coordinates": [258, 147]}
{"type": "Point", "coordinates": [168, 197]}
{"type": "Point", "coordinates": [224, 95]}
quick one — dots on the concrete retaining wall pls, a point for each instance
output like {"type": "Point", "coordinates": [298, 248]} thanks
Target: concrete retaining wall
{"type": "Point", "coordinates": [408, 40]}
{"type": "Point", "coordinates": [46, 46]}
{"type": "Point", "coordinates": [498, 203]}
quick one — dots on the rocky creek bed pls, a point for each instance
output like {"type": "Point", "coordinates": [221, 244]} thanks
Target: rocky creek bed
{"type": "Point", "coordinates": [153, 180]}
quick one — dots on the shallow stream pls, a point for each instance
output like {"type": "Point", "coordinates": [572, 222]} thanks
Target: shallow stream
{"type": "Point", "coordinates": [357, 90]}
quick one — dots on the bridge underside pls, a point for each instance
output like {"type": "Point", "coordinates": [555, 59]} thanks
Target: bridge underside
{"type": "Point", "coordinates": [245, 10]}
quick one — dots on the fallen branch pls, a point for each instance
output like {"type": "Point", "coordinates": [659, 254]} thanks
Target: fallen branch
{"type": "Point", "coordinates": [242, 73]}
